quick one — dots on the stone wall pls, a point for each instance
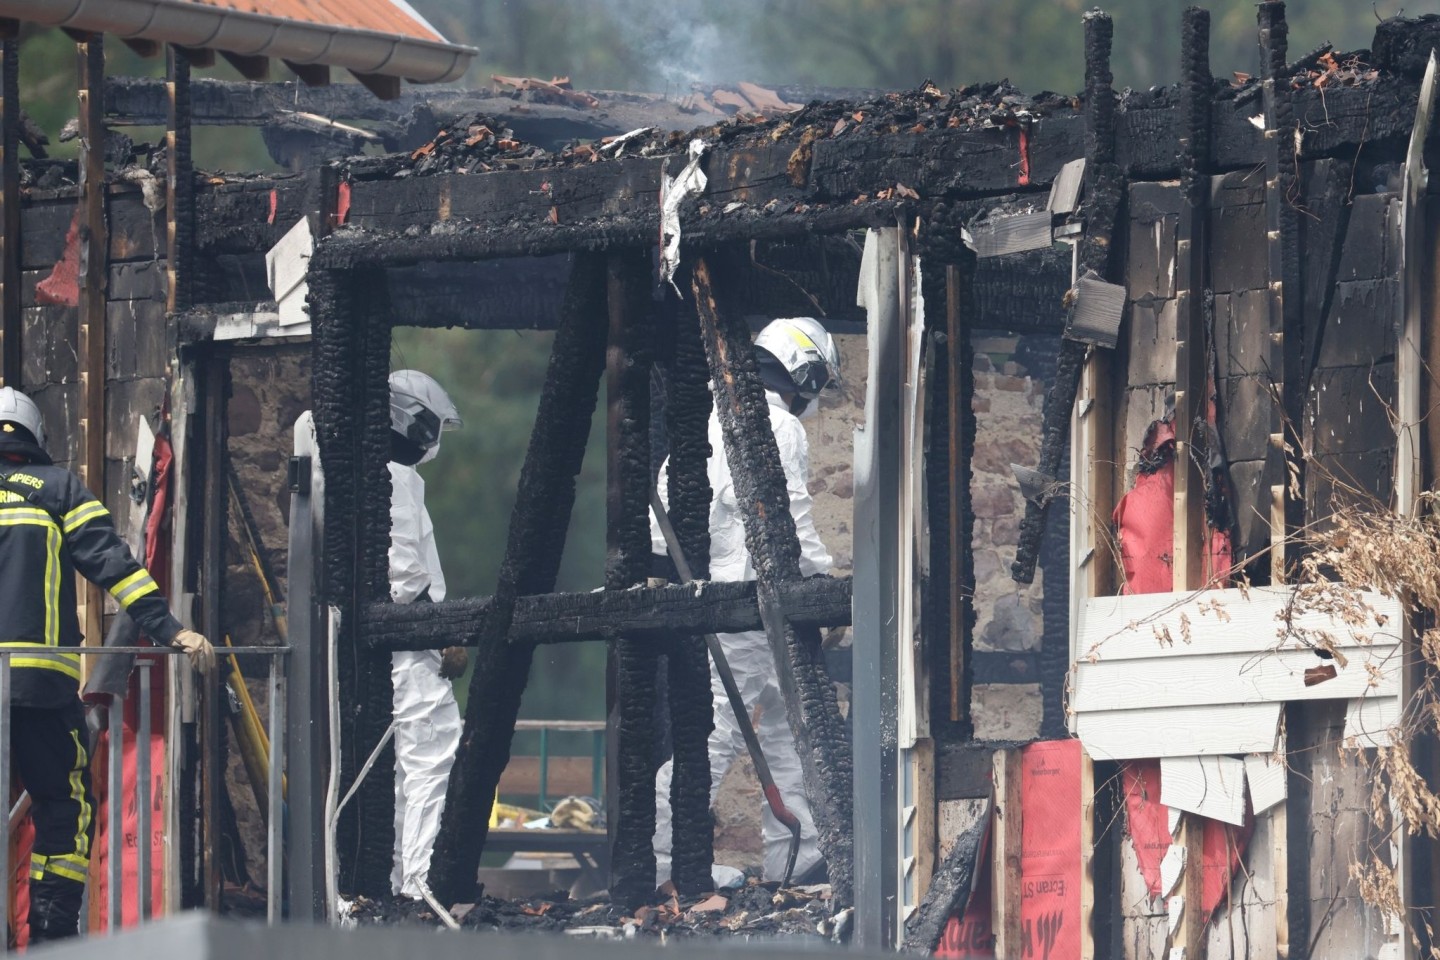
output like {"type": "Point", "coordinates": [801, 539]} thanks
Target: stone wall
{"type": "Point", "coordinates": [1008, 404]}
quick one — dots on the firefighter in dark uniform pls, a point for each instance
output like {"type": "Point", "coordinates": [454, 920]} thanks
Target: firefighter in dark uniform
{"type": "Point", "coordinates": [51, 527]}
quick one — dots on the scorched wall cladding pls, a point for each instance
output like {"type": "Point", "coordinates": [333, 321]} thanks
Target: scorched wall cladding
{"type": "Point", "coordinates": [137, 348]}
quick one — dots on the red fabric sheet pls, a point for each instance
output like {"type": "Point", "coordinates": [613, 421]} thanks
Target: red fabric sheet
{"type": "Point", "coordinates": [62, 287]}
{"type": "Point", "coordinates": [1049, 864]}
{"type": "Point", "coordinates": [1222, 844]}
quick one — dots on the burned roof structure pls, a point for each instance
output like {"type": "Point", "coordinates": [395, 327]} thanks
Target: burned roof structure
{"type": "Point", "coordinates": [1232, 282]}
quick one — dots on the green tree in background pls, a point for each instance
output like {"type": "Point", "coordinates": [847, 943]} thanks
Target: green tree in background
{"type": "Point", "coordinates": [494, 377]}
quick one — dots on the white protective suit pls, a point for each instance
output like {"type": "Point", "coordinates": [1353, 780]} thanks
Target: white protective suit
{"type": "Point", "coordinates": [749, 653]}
{"type": "Point", "coordinates": [427, 720]}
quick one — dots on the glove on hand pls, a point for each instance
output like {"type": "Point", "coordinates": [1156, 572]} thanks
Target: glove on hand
{"type": "Point", "coordinates": [197, 648]}
{"type": "Point", "coordinates": [453, 661]}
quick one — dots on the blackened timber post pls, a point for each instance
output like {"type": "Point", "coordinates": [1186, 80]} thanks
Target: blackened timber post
{"type": "Point", "coordinates": [11, 325]}
{"type": "Point", "coordinates": [960, 358]}
{"type": "Point", "coordinates": [1191, 381]}
{"type": "Point", "coordinates": [533, 550]}
{"type": "Point", "coordinates": [687, 425]}
{"type": "Point", "coordinates": [822, 739]}
{"type": "Point", "coordinates": [1191, 257]}
{"type": "Point", "coordinates": [627, 560]}
{"type": "Point", "coordinates": [179, 182]}
{"type": "Point", "coordinates": [1104, 189]}
{"type": "Point", "coordinates": [94, 274]}
{"type": "Point", "coordinates": [1284, 472]}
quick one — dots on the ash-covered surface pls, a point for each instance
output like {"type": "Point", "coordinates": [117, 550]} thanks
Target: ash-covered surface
{"type": "Point", "coordinates": [762, 910]}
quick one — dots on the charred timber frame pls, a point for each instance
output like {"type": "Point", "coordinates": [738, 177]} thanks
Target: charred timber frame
{"type": "Point", "coordinates": [1191, 393]}
{"type": "Point", "coordinates": [1104, 190]}
{"type": "Point", "coordinates": [1284, 470]}
{"type": "Point", "coordinates": [351, 347]}
{"type": "Point", "coordinates": [94, 276]}
{"type": "Point", "coordinates": [10, 326]}
{"type": "Point", "coordinates": [654, 613]}
{"type": "Point", "coordinates": [180, 182]}
{"type": "Point", "coordinates": [688, 404]}
{"type": "Point", "coordinates": [627, 561]}
{"type": "Point", "coordinates": [533, 551]}
{"type": "Point", "coordinates": [822, 738]}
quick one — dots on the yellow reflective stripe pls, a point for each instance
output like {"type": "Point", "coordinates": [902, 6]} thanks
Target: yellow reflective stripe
{"type": "Point", "coordinates": [77, 793]}
{"type": "Point", "coordinates": [71, 670]}
{"type": "Point", "coordinates": [135, 591]}
{"type": "Point", "coordinates": [71, 868]}
{"type": "Point", "coordinates": [129, 581]}
{"type": "Point", "coordinates": [15, 516]}
{"type": "Point", "coordinates": [83, 514]}
{"type": "Point", "coordinates": [52, 587]}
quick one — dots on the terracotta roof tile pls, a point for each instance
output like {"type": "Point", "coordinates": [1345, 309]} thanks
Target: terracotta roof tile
{"type": "Point", "coordinates": [377, 16]}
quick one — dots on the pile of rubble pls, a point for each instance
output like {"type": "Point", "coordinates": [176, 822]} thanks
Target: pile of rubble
{"type": "Point", "coordinates": [480, 143]}
{"type": "Point", "coordinates": [755, 909]}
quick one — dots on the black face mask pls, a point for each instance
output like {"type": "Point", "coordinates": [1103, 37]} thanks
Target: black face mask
{"type": "Point", "coordinates": [403, 450]}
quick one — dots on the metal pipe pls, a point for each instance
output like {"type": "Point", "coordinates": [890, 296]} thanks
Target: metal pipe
{"type": "Point", "coordinates": [275, 829]}
{"type": "Point", "coordinates": [115, 847]}
{"type": "Point", "coordinates": [5, 790]}
{"type": "Point", "coordinates": [142, 795]}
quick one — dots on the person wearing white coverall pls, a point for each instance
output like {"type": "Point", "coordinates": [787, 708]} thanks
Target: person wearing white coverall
{"type": "Point", "coordinates": [797, 361]}
{"type": "Point", "coordinates": [427, 719]}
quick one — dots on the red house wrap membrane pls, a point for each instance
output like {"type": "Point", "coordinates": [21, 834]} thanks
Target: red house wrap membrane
{"type": "Point", "coordinates": [62, 287]}
{"type": "Point", "coordinates": [1148, 819]}
{"type": "Point", "coordinates": [1049, 864]}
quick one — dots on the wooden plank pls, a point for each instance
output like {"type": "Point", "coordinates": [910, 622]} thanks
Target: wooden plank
{"type": "Point", "coordinates": [1087, 856]}
{"type": "Point", "coordinates": [1192, 921]}
{"type": "Point", "coordinates": [925, 827]}
{"type": "Point", "coordinates": [1280, 877]}
{"type": "Point", "coordinates": [94, 274]}
{"type": "Point", "coordinates": [959, 454]}
{"type": "Point", "coordinates": [1213, 787]}
{"type": "Point", "coordinates": [1179, 731]}
{"type": "Point", "coordinates": [1005, 890]}
{"type": "Point", "coordinates": [567, 776]}
{"type": "Point", "coordinates": [1221, 621]}
{"type": "Point", "coordinates": [1221, 678]}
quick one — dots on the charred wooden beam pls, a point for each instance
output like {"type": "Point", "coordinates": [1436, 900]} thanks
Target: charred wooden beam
{"type": "Point", "coordinates": [1104, 189]}
{"type": "Point", "coordinates": [627, 561]}
{"type": "Point", "coordinates": [1284, 473]}
{"type": "Point", "coordinates": [1191, 375]}
{"type": "Point", "coordinates": [482, 241]}
{"type": "Point", "coordinates": [533, 550]}
{"type": "Point", "coordinates": [179, 183]}
{"type": "Point", "coordinates": [949, 890]}
{"type": "Point", "coordinates": [822, 739]}
{"type": "Point", "coordinates": [654, 612]}
{"type": "Point", "coordinates": [688, 405]}
{"type": "Point", "coordinates": [10, 327]}
{"type": "Point", "coordinates": [351, 354]}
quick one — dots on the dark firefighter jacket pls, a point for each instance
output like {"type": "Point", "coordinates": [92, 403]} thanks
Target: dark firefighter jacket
{"type": "Point", "coordinates": [51, 527]}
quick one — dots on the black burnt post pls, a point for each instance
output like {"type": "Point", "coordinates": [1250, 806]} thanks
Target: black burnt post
{"type": "Point", "coordinates": [687, 424]}
{"type": "Point", "coordinates": [351, 367]}
{"type": "Point", "coordinates": [627, 561]}
{"type": "Point", "coordinates": [822, 739]}
{"type": "Point", "coordinates": [1104, 189]}
{"type": "Point", "coordinates": [535, 544]}
{"type": "Point", "coordinates": [1284, 472]}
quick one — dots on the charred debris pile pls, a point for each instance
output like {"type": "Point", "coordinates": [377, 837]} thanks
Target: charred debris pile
{"type": "Point", "coordinates": [761, 910]}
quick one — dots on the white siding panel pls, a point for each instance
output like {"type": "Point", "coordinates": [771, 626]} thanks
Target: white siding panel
{"type": "Point", "coordinates": [1181, 677]}
{"type": "Point", "coordinates": [1179, 731]}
